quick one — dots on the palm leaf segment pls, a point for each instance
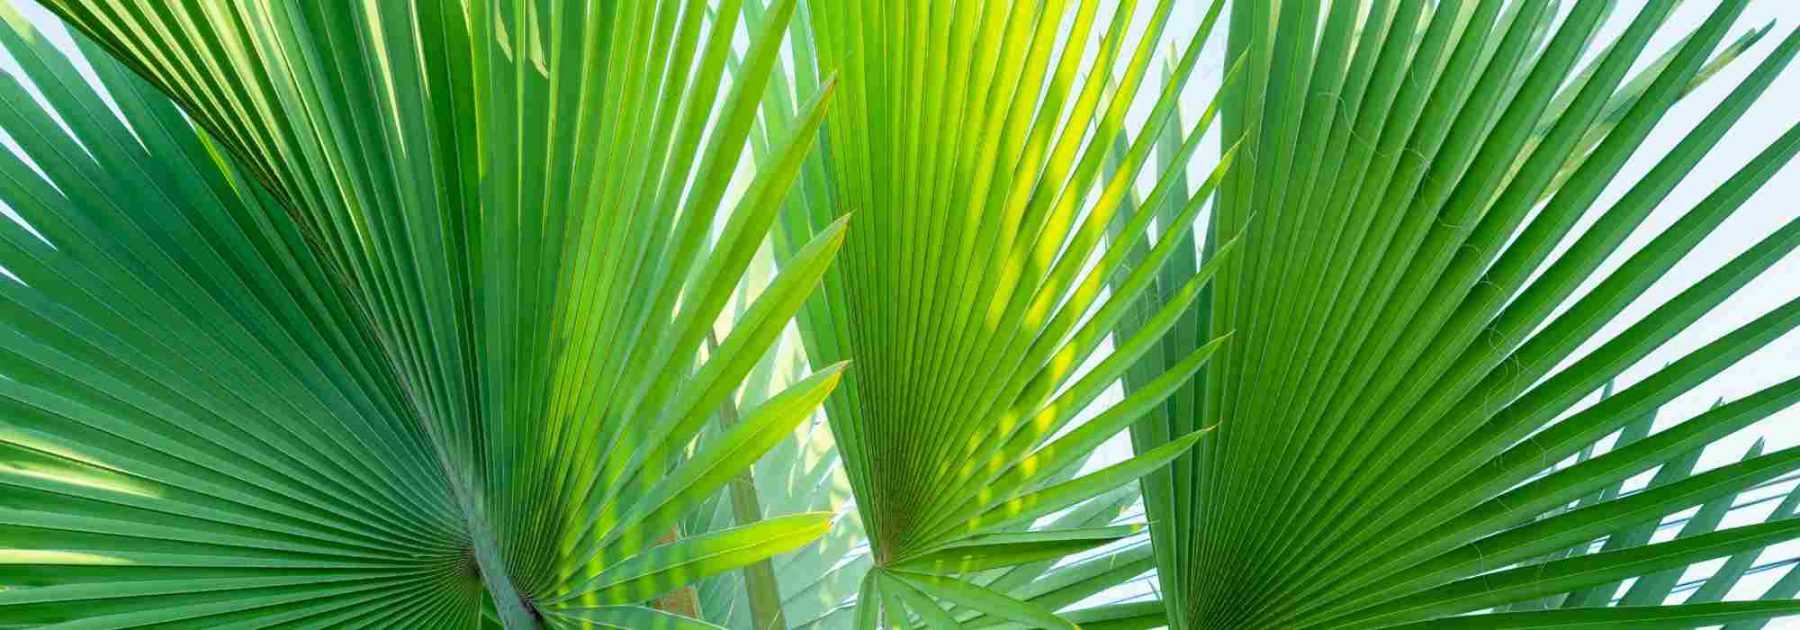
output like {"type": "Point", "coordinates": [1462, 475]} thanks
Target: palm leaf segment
{"type": "Point", "coordinates": [1412, 351]}
{"type": "Point", "coordinates": [801, 474]}
{"type": "Point", "coordinates": [972, 291]}
{"type": "Point", "coordinates": [431, 345]}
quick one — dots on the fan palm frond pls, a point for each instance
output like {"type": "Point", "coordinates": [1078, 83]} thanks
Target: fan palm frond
{"type": "Point", "coordinates": [1412, 347]}
{"type": "Point", "coordinates": [433, 344]}
{"type": "Point", "coordinates": [971, 294]}
{"type": "Point", "coordinates": [453, 313]}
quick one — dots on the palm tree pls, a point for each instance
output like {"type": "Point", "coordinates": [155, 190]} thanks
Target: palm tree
{"type": "Point", "coordinates": [443, 313]}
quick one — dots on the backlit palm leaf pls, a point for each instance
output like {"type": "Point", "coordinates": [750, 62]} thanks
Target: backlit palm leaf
{"type": "Point", "coordinates": [1409, 355]}
{"type": "Point", "coordinates": [439, 313]}
{"type": "Point", "coordinates": [966, 294]}
{"type": "Point", "coordinates": [800, 474]}
{"type": "Point", "coordinates": [434, 343]}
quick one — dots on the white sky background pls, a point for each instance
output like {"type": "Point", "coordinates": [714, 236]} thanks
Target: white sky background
{"type": "Point", "coordinates": [1775, 204]}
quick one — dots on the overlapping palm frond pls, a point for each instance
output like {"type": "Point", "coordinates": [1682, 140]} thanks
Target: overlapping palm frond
{"type": "Point", "coordinates": [1417, 311]}
{"type": "Point", "coordinates": [973, 291]}
{"type": "Point", "coordinates": [398, 317]}
{"type": "Point", "coordinates": [448, 313]}
{"type": "Point", "coordinates": [837, 569]}
{"type": "Point", "coordinates": [800, 474]}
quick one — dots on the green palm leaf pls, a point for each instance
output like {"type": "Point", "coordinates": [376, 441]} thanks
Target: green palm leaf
{"type": "Point", "coordinates": [1405, 346]}
{"type": "Point", "coordinates": [963, 297]}
{"type": "Point", "coordinates": [450, 312]}
{"type": "Point", "coordinates": [434, 346]}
